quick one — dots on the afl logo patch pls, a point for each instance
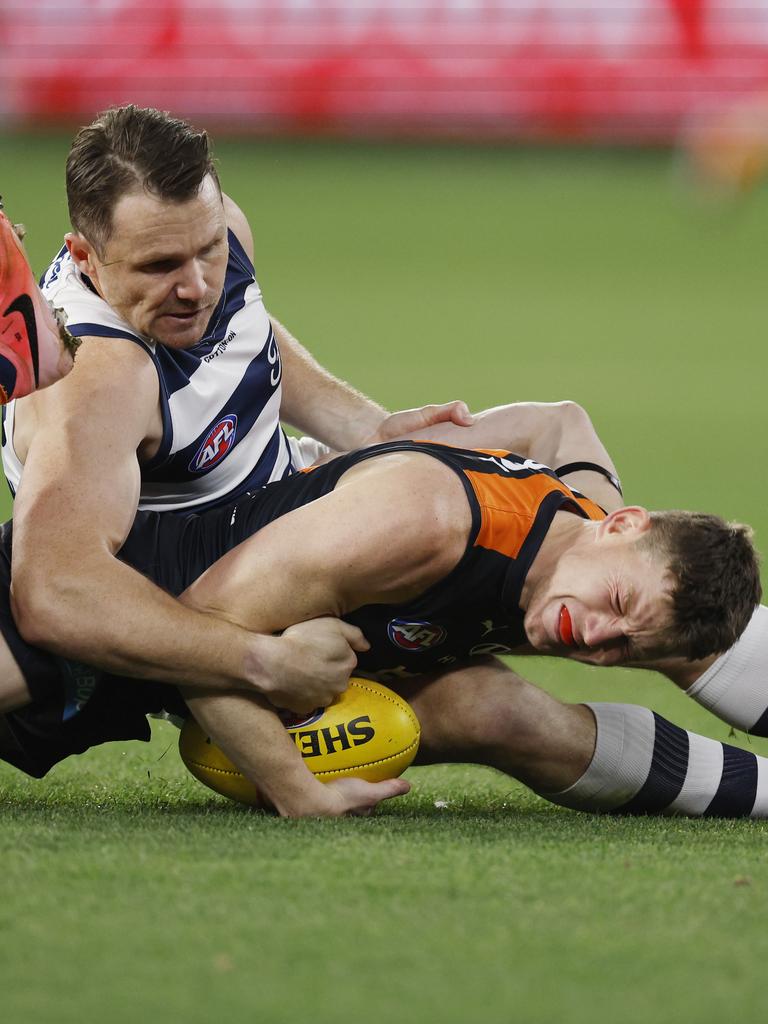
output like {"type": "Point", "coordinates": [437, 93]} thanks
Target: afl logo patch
{"type": "Point", "coordinates": [219, 441]}
{"type": "Point", "coordinates": [293, 720]}
{"type": "Point", "coordinates": [415, 636]}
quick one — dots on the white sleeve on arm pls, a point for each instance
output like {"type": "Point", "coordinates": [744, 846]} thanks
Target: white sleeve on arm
{"type": "Point", "coordinates": [735, 687]}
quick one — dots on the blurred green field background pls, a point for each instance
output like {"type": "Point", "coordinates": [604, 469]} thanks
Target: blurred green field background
{"type": "Point", "coordinates": [423, 274]}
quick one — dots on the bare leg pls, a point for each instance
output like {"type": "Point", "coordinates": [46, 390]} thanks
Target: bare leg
{"type": "Point", "coordinates": [486, 714]}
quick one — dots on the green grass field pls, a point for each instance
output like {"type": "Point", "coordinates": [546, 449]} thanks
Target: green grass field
{"type": "Point", "coordinates": [130, 893]}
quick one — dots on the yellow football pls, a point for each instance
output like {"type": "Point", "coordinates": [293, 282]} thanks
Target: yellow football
{"type": "Point", "coordinates": [369, 732]}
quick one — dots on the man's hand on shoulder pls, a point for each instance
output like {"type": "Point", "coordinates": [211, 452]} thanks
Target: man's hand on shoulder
{"type": "Point", "coordinates": [309, 665]}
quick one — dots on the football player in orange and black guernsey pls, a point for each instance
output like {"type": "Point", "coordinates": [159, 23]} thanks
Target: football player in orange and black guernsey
{"type": "Point", "coordinates": [446, 557]}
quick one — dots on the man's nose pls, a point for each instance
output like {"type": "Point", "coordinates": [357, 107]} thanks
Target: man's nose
{"type": "Point", "coordinates": [191, 284]}
{"type": "Point", "coordinates": [601, 630]}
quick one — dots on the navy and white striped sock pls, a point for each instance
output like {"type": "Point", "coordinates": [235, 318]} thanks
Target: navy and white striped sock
{"type": "Point", "coordinates": [644, 764]}
{"type": "Point", "coordinates": [735, 687]}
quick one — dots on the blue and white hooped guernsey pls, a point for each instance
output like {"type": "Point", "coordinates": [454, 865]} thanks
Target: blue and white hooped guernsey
{"type": "Point", "coordinates": [220, 399]}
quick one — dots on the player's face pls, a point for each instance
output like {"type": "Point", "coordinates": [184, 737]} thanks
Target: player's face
{"type": "Point", "coordinates": [164, 265]}
{"type": "Point", "coordinates": [607, 605]}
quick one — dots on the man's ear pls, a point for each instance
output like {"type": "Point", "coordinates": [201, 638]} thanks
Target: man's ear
{"type": "Point", "coordinates": [631, 520]}
{"type": "Point", "coordinates": [82, 253]}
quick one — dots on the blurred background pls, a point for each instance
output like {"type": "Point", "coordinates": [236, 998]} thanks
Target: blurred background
{"type": "Point", "coordinates": [628, 70]}
{"type": "Point", "coordinates": [483, 199]}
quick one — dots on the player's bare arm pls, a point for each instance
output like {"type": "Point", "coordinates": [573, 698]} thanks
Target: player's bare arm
{"type": "Point", "coordinates": [256, 741]}
{"type": "Point", "coordinates": [392, 527]}
{"type": "Point", "coordinates": [558, 434]}
{"type": "Point", "coordinates": [75, 506]}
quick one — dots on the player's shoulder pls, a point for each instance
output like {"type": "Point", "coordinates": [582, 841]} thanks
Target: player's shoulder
{"type": "Point", "coordinates": [396, 521]}
{"type": "Point", "coordinates": [115, 376]}
{"type": "Point", "coordinates": [418, 494]}
{"type": "Point", "coordinates": [238, 224]}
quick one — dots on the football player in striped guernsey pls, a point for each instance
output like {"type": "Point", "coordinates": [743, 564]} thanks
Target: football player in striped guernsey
{"type": "Point", "coordinates": [174, 404]}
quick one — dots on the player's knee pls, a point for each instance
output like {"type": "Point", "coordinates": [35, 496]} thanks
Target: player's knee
{"type": "Point", "coordinates": [486, 714]}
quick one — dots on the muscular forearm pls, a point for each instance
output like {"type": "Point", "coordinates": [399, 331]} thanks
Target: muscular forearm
{"type": "Point", "coordinates": [319, 404]}
{"type": "Point", "coordinates": [113, 618]}
{"type": "Point", "coordinates": [254, 739]}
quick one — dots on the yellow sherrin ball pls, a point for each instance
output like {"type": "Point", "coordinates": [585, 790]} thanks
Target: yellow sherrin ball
{"type": "Point", "coordinates": [368, 732]}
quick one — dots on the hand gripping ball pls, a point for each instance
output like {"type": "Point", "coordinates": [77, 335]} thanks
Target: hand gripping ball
{"type": "Point", "coordinates": [368, 732]}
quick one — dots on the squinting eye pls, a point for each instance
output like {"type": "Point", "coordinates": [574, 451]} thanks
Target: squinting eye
{"type": "Point", "coordinates": [162, 267]}
{"type": "Point", "coordinates": [213, 248]}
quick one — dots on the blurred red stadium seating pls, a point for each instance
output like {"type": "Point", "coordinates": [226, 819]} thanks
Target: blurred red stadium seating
{"type": "Point", "coordinates": [627, 69]}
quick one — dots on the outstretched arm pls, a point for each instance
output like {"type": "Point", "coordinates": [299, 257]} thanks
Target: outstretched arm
{"type": "Point", "coordinates": [556, 434]}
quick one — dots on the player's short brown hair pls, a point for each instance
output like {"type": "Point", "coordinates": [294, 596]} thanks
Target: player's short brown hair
{"type": "Point", "coordinates": [715, 573]}
{"type": "Point", "coordinates": [129, 148]}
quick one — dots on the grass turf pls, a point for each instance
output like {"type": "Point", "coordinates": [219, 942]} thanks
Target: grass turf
{"type": "Point", "coordinates": [424, 274]}
{"type": "Point", "coordinates": [132, 897]}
